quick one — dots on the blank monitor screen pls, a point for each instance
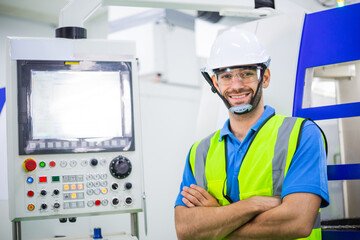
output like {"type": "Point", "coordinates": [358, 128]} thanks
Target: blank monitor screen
{"type": "Point", "coordinates": [82, 107]}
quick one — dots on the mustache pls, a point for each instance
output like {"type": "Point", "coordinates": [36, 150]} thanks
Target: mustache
{"type": "Point", "coordinates": [239, 91]}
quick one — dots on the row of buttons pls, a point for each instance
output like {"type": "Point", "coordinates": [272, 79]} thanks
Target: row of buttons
{"type": "Point", "coordinates": [96, 191]}
{"type": "Point", "coordinates": [43, 192]}
{"type": "Point", "coordinates": [75, 195]}
{"type": "Point", "coordinates": [96, 176]}
{"type": "Point", "coordinates": [43, 179]}
{"type": "Point", "coordinates": [73, 178]}
{"type": "Point", "coordinates": [75, 204]}
{"type": "Point", "coordinates": [91, 203]}
{"type": "Point", "coordinates": [71, 187]}
{"type": "Point", "coordinates": [43, 206]}
{"type": "Point", "coordinates": [83, 163]}
{"type": "Point", "coordinates": [43, 164]}
{"type": "Point", "coordinates": [81, 204]}
{"type": "Point", "coordinates": [30, 164]}
{"type": "Point", "coordinates": [96, 184]}
{"type": "Point", "coordinates": [66, 145]}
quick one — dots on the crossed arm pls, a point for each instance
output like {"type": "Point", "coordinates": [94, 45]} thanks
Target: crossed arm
{"type": "Point", "coordinates": [257, 217]}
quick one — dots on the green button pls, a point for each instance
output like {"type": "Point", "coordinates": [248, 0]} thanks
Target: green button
{"type": "Point", "coordinates": [55, 178]}
{"type": "Point", "coordinates": [42, 164]}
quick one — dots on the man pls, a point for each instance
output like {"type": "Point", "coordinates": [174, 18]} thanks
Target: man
{"type": "Point", "coordinates": [262, 175]}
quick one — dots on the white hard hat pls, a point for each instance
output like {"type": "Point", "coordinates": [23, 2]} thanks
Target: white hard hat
{"type": "Point", "coordinates": [237, 47]}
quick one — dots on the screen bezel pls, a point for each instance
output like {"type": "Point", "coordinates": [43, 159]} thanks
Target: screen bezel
{"type": "Point", "coordinates": [29, 146]}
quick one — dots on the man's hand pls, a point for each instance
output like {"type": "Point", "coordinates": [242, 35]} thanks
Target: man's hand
{"type": "Point", "coordinates": [195, 196]}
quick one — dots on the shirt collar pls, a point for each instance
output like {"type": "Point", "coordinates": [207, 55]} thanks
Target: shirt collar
{"type": "Point", "coordinates": [268, 111]}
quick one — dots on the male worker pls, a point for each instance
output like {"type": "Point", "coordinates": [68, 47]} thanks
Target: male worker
{"type": "Point", "coordinates": [262, 175]}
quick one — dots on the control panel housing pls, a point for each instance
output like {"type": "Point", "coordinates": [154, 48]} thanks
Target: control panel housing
{"type": "Point", "coordinates": [55, 173]}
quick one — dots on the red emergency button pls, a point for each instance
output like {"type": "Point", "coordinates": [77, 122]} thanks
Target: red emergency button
{"type": "Point", "coordinates": [97, 202]}
{"type": "Point", "coordinates": [29, 165]}
{"type": "Point", "coordinates": [30, 193]}
{"type": "Point", "coordinates": [52, 164]}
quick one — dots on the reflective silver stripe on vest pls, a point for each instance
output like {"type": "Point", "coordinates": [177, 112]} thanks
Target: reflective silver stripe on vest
{"type": "Point", "coordinates": [280, 154]}
{"type": "Point", "coordinates": [200, 159]}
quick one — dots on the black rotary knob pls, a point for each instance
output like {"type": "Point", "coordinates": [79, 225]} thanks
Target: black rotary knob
{"type": "Point", "coordinates": [43, 206]}
{"type": "Point", "coordinates": [56, 205]}
{"type": "Point", "coordinates": [128, 185]}
{"type": "Point", "coordinates": [114, 186]}
{"type": "Point", "coordinates": [56, 192]}
{"type": "Point", "coordinates": [43, 192]}
{"type": "Point", "coordinates": [94, 162]}
{"type": "Point", "coordinates": [115, 201]}
{"type": "Point", "coordinates": [128, 200]}
{"type": "Point", "coordinates": [120, 167]}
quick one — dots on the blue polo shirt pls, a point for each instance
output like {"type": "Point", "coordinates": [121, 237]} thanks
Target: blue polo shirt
{"type": "Point", "coordinates": [307, 172]}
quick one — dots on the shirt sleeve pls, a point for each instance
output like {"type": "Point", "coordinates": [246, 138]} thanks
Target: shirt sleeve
{"type": "Point", "coordinates": [188, 179]}
{"type": "Point", "coordinates": [308, 168]}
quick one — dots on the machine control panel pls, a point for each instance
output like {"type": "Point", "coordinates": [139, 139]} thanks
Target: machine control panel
{"type": "Point", "coordinates": [55, 186]}
{"type": "Point", "coordinates": [72, 122]}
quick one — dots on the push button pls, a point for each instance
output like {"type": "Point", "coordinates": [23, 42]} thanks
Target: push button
{"type": "Point", "coordinates": [31, 207]}
{"type": "Point", "coordinates": [29, 165]}
{"type": "Point", "coordinates": [29, 180]}
{"type": "Point", "coordinates": [30, 193]}
{"type": "Point", "coordinates": [43, 179]}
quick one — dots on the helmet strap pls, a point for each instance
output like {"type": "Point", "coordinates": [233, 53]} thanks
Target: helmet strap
{"type": "Point", "coordinates": [239, 109]}
{"type": "Point", "coordinates": [213, 88]}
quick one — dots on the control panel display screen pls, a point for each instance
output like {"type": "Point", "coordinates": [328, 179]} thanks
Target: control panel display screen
{"type": "Point", "coordinates": [74, 107]}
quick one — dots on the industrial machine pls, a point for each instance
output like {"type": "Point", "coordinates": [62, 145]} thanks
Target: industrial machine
{"type": "Point", "coordinates": [73, 129]}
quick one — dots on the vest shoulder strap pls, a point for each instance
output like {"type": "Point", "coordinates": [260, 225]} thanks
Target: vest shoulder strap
{"type": "Point", "coordinates": [198, 155]}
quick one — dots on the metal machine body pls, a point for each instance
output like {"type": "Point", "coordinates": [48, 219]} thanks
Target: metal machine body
{"type": "Point", "coordinates": [92, 168]}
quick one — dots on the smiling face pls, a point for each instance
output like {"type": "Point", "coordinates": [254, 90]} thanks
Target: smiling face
{"type": "Point", "coordinates": [238, 88]}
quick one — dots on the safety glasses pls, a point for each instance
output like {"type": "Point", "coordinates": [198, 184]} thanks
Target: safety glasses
{"type": "Point", "coordinates": [246, 74]}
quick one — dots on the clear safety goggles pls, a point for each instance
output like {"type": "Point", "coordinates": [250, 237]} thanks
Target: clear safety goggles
{"type": "Point", "coordinates": [246, 74]}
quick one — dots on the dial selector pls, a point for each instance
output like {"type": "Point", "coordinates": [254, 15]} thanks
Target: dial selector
{"type": "Point", "coordinates": [128, 200]}
{"type": "Point", "coordinates": [115, 201]}
{"type": "Point", "coordinates": [120, 167]}
{"type": "Point", "coordinates": [114, 186]}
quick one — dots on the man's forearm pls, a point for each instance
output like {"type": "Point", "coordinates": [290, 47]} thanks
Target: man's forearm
{"type": "Point", "coordinates": [292, 219]}
{"type": "Point", "coordinates": [218, 222]}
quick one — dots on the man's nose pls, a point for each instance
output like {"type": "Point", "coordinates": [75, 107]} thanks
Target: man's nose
{"type": "Point", "coordinates": [237, 80]}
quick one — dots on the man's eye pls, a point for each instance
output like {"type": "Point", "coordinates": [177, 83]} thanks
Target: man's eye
{"type": "Point", "coordinates": [248, 74]}
{"type": "Point", "coordinates": [226, 76]}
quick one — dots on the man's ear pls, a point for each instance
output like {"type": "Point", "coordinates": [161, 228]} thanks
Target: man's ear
{"type": "Point", "coordinates": [213, 78]}
{"type": "Point", "coordinates": [266, 78]}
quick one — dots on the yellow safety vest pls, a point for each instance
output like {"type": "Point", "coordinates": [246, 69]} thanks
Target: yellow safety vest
{"type": "Point", "coordinates": [264, 165]}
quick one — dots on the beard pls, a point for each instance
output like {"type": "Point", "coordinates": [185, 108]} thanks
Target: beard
{"type": "Point", "coordinates": [233, 101]}
{"type": "Point", "coordinates": [252, 101]}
